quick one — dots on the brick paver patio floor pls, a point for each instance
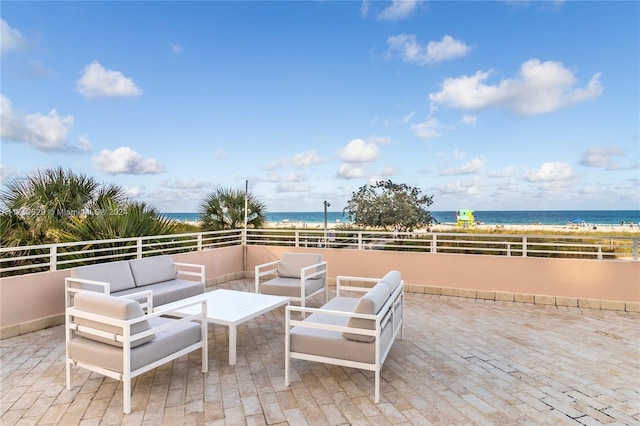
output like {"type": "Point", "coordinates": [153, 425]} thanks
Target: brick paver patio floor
{"type": "Point", "coordinates": [462, 361]}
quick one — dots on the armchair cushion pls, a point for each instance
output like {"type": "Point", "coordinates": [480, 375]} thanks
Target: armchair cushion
{"type": "Point", "coordinates": [118, 274]}
{"type": "Point", "coordinates": [290, 287]}
{"type": "Point", "coordinates": [110, 357]}
{"type": "Point", "coordinates": [370, 303]}
{"type": "Point", "coordinates": [150, 270]}
{"type": "Point", "coordinates": [113, 307]}
{"type": "Point", "coordinates": [291, 263]}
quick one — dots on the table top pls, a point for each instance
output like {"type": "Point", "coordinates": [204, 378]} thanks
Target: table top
{"type": "Point", "coordinates": [229, 307]}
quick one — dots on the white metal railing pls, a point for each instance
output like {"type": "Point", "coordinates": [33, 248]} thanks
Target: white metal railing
{"type": "Point", "coordinates": [27, 259]}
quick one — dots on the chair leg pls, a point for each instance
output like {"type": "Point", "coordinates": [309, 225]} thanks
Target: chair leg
{"type": "Point", "coordinates": [126, 395]}
{"type": "Point", "coordinates": [376, 397]}
{"type": "Point", "coordinates": [68, 373]}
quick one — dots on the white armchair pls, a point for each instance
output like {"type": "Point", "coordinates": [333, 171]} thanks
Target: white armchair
{"type": "Point", "coordinates": [298, 276]}
{"type": "Point", "coordinates": [113, 336]}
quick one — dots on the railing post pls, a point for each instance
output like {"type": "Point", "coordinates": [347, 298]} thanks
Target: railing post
{"type": "Point", "coordinates": [360, 241]}
{"type": "Point", "coordinates": [53, 258]}
{"type": "Point", "coordinates": [297, 234]}
{"type": "Point", "coordinates": [599, 251]}
{"type": "Point", "coordinates": [434, 244]}
{"type": "Point", "coordinates": [139, 248]}
{"type": "Point", "coordinates": [524, 246]}
{"type": "Point", "coordinates": [635, 249]}
{"type": "Point", "coordinates": [199, 241]}
{"type": "Point", "coordinates": [508, 248]}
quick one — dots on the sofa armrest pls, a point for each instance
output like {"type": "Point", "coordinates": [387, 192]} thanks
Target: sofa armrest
{"type": "Point", "coordinates": [342, 287]}
{"type": "Point", "coordinates": [200, 273]}
{"type": "Point", "coordinates": [332, 327]}
{"type": "Point", "coordinates": [261, 272]}
{"type": "Point", "coordinates": [73, 285]}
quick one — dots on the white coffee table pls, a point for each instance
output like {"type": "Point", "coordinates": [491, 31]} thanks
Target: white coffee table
{"type": "Point", "coordinates": [230, 308]}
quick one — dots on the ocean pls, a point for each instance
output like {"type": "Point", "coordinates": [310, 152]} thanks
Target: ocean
{"type": "Point", "coordinates": [498, 217]}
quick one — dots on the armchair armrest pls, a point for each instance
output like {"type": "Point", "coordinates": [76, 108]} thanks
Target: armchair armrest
{"type": "Point", "coordinates": [147, 294]}
{"type": "Point", "coordinates": [321, 270]}
{"type": "Point", "coordinates": [260, 272]}
{"type": "Point", "coordinates": [200, 316]}
{"type": "Point", "coordinates": [200, 273]}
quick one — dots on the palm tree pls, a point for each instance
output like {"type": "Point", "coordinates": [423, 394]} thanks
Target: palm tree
{"type": "Point", "coordinates": [225, 208]}
{"type": "Point", "coordinates": [57, 205]}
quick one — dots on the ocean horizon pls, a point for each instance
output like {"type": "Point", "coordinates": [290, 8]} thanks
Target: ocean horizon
{"type": "Point", "coordinates": [489, 217]}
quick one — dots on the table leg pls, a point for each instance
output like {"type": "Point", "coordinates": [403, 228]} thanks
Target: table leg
{"type": "Point", "coordinates": [232, 344]}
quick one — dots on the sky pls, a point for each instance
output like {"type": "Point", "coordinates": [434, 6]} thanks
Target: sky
{"type": "Point", "coordinates": [501, 105]}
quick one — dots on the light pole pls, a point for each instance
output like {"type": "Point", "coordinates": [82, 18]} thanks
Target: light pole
{"type": "Point", "coordinates": [326, 204]}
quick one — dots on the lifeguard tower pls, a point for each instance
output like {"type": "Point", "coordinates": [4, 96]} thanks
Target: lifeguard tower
{"type": "Point", "coordinates": [465, 219]}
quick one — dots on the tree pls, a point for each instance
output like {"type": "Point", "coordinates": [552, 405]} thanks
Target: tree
{"type": "Point", "coordinates": [224, 209]}
{"type": "Point", "coordinates": [57, 205]}
{"type": "Point", "coordinates": [389, 205]}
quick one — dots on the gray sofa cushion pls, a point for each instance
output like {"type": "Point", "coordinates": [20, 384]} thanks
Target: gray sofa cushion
{"type": "Point", "coordinates": [290, 287]}
{"type": "Point", "coordinates": [370, 303]}
{"type": "Point", "coordinates": [113, 307]}
{"type": "Point", "coordinates": [151, 270]}
{"type": "Point", "coordinates": [333, 344]}
{"type": "Point", "coordinates": [110, 357]}
{"type": "Point", "coordinates": [291, 263]}
{"type": "Point", "coordinates": [117, 274]}
{"type": "Point", "coordinates": [393, 278]}
{"type": "Point", "coordinates": [168, 291]}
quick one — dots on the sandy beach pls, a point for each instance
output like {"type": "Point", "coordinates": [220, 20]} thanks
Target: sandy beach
{"type": "Point", "coordinates": [482, 228]}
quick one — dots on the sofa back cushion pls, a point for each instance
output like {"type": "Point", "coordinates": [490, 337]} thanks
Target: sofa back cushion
{"type": "Point", "coordinates": [151, 270]}
{"type": "Point", "coordinates": [117, 274]}
{"type": "Point", "coordinates": [291, 263]}
{"type": "Point", "coordinates": [370, 303]}
{"type": "Point", "coordinates": [112, 307]}
{"type": "Point", "coordinates": [393, 278]}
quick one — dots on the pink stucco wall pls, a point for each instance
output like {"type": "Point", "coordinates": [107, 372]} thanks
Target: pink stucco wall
{"type": "Point", "coordinates": [29, 298]}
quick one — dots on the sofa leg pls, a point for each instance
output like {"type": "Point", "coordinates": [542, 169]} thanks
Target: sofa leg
{"type": "Point", "coordinates": [376, 398]}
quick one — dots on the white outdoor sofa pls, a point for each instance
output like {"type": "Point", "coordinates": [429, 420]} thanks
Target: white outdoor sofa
{"type": "Point", "coordinates": [160, 274]}
{"type": "Point", "coordinates": [349, 331]}
{"type": "Point", "coordinates": [114, 337]}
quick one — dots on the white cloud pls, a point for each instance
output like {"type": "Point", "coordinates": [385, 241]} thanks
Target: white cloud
{"type": "Point", "coordinates": [474, 166]}
{"type": "Point", "coordinates": [435, 51]}
{"type": "Point", "coordinates": [96, 81]}
{"type": "Point", "coordinates": [6, 173]}
{"type": "Point", "coordinates": [459, 155]}
{"type": "Point", "coordinates": [601, 157]}
{"type": "Point", "coordinates": [398, 9]}
{"type": "Point", "coordinates": [85, 145]}
{"type": "Point", "coordinates": [407, 118]}
{"type": "Point", "coordinates": [10, 38]}
{"type": "Point", "coordinates": [427, 129]}
{"type": "Point", "coordinates": [469, 120]}
{"type": "Point", "coordinates": [42, 132]}
{"type": "Point", "coordinates": [550, 172]}
{"type": "Point", "coordinates": [124, 160]}
{"type": "Point", "coordinates": [350, 171]}
{"type": "Point", "coordinates": [292, 187]}
{"type": "Point", "coordinates": [305, 159]}
{"type": "Point", "coordinates": [359, 151]}
{"type": "Point", "coordinates": [538, 88]}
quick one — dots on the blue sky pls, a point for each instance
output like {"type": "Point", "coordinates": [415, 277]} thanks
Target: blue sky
{"type": "Point", "coordinates": [484, 105]}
